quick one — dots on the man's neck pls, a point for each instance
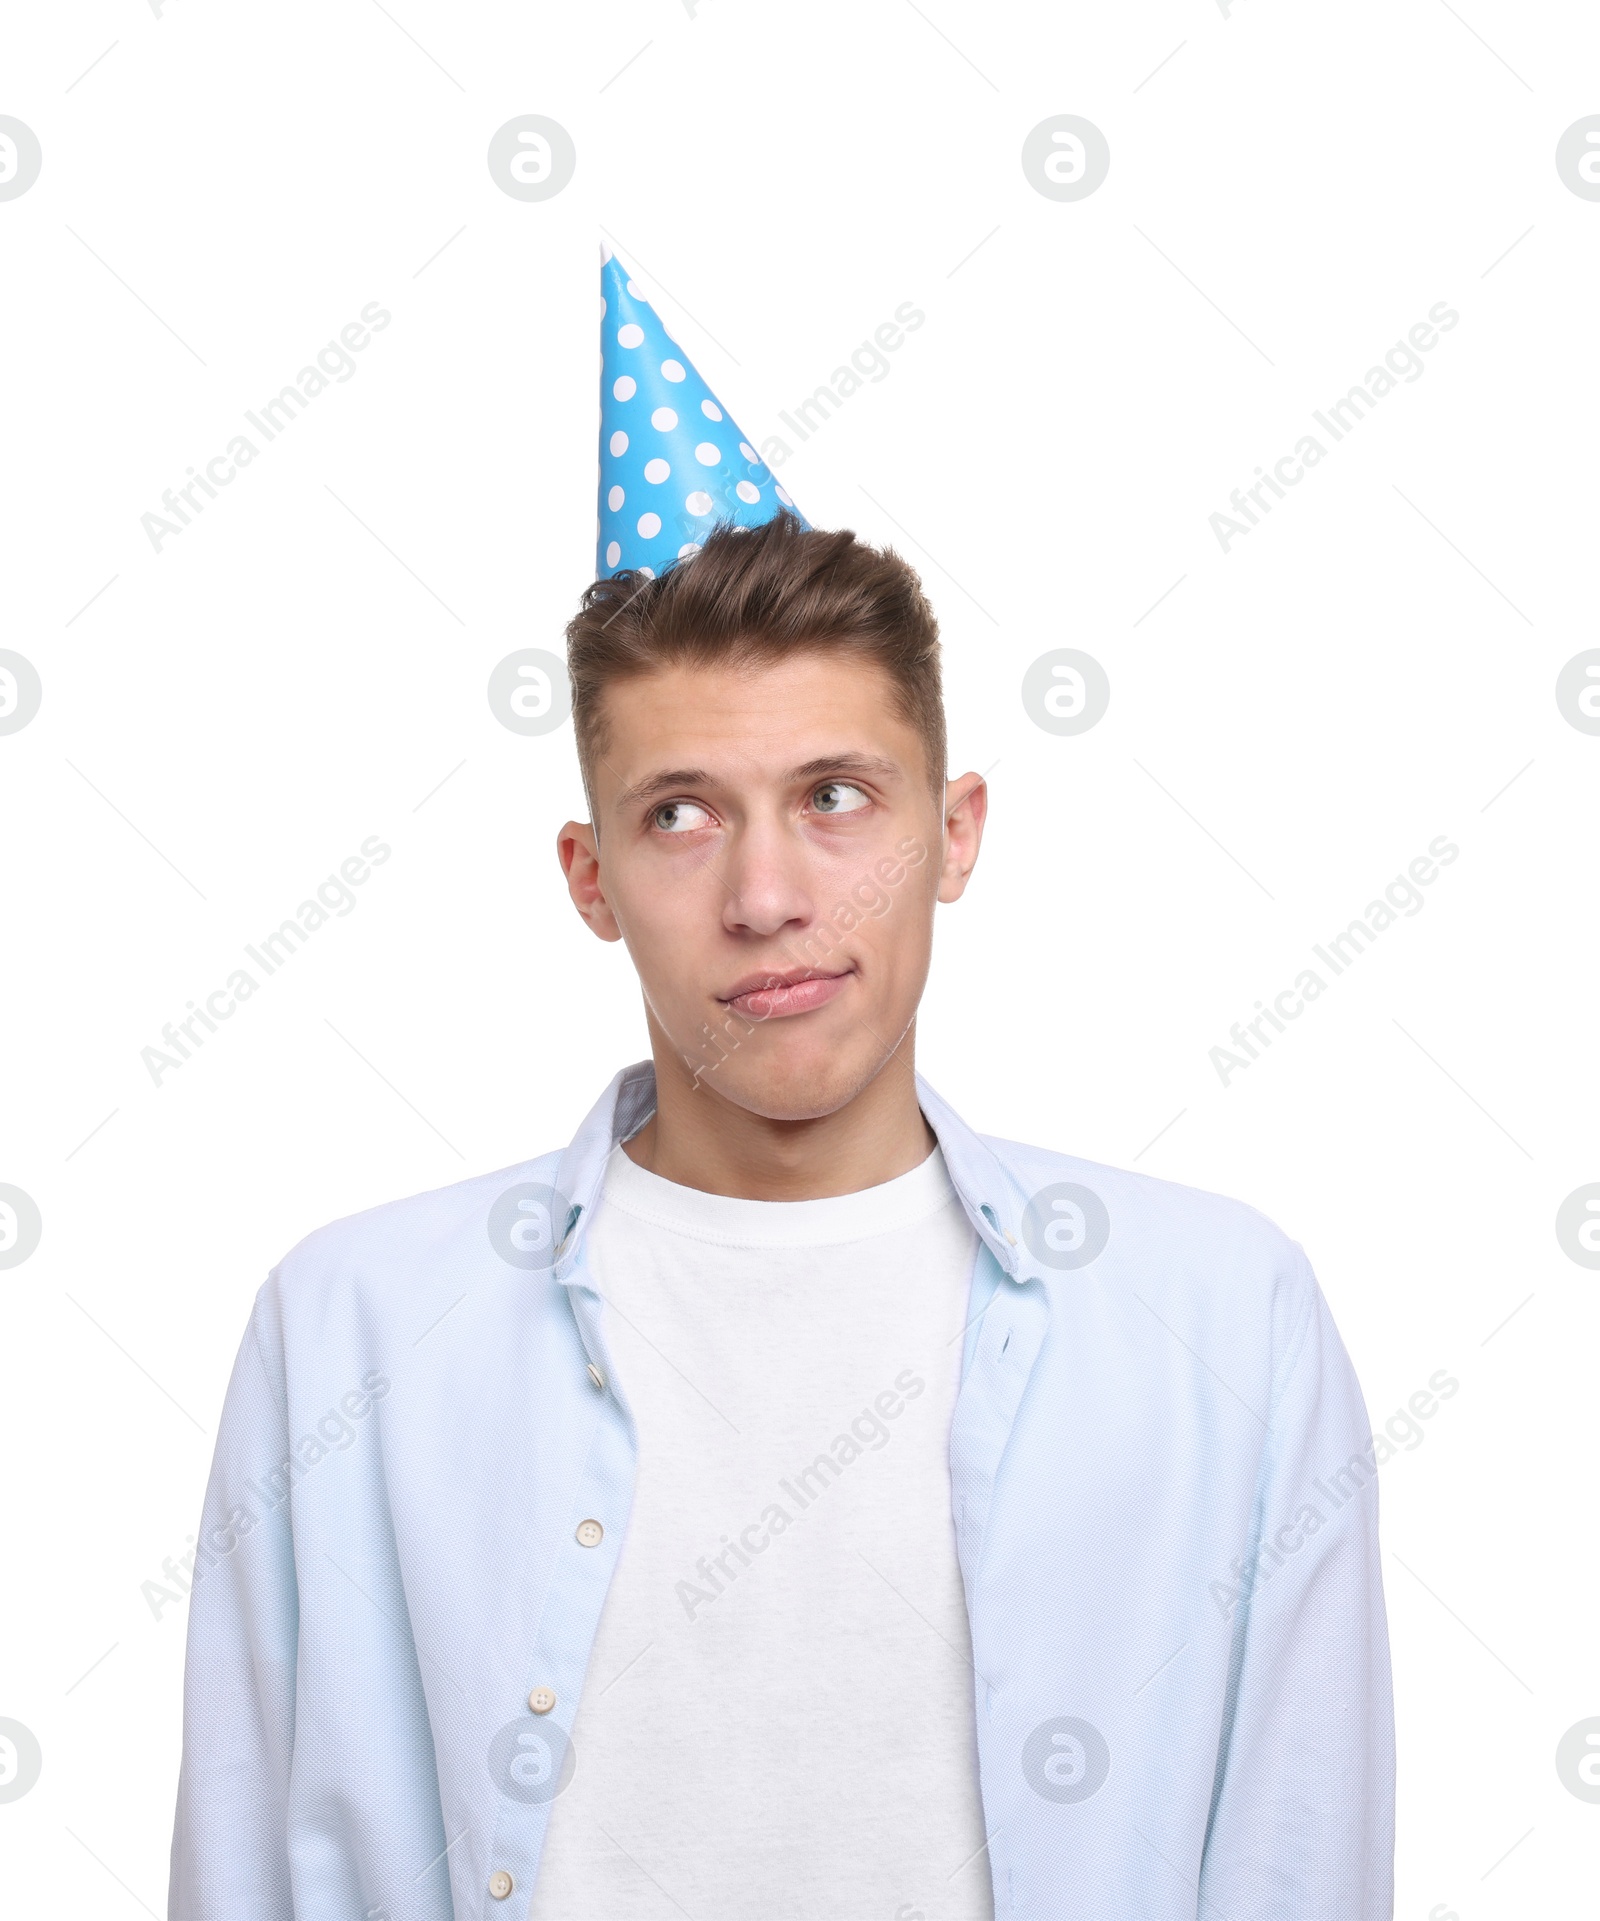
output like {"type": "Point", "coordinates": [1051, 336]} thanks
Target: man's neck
{"type": "Point", "coordinates": [697, 1137]}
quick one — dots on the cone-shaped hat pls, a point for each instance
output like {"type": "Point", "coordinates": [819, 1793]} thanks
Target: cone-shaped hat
{"type": "Point", "coordinates": [673, 461]}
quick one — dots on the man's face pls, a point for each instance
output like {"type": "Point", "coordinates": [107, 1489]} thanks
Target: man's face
{"type": "Point", "coordinates": [770, 849]}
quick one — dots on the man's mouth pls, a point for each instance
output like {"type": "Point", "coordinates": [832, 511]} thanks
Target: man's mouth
{"type": "Point", "coordinates": [765, 997]}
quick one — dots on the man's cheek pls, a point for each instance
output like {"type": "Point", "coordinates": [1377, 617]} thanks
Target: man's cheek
{"type": "Point", "coordinates": [670, 945]}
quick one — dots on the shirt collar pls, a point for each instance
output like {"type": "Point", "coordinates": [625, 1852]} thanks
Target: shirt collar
{"type": "Point", "coordinates": [989, 1193]}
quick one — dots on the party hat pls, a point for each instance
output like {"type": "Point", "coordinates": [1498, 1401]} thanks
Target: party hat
{"type": "Point", "coordinates": [673, 461]}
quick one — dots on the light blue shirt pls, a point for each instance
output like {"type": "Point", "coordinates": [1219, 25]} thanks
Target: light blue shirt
{"type": "Point", "coordinates": [1164, 1491]}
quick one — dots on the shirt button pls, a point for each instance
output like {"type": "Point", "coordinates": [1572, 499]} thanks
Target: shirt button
{"type": "Point", "coordinates": [596, 1376]}
{"type": "Point", "coordinates": [542, 1700]}
{"type": "Point", "coordinates": [590, 1534]}
{"type": "Point", "coordinates": [500, 1884]}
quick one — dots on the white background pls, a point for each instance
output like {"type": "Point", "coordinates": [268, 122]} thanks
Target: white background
{"type": "Point", "coordinates": [304, 666]}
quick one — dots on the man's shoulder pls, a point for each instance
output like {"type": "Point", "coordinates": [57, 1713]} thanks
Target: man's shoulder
{"type": "Point", "coordinates": [1145, 1202]}
{"type": "Point", "coordinates": [1198, 1251]}
{"type": "Point", "coordinates": [411, 1237]}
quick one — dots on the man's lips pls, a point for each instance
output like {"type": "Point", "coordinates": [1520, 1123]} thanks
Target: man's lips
{"type": "Point", "coordinates": [765, 997]}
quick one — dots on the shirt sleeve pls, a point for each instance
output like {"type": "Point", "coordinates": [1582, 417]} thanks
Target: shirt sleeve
{"type": "Point", "coordinates": [1302, 1817]}
{"type": "Point", "coordinates": [230, 1840]}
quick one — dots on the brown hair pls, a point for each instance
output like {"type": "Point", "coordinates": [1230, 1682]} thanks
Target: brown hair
{"type": "Point", "coordinates": [755, 594]}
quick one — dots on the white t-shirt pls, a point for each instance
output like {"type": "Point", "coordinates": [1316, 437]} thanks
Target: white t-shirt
{"type": "Point", "coordinates": [778, 1714]}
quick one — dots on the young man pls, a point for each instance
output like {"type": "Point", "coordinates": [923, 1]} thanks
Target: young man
{"type": "Point", "coordinates": [783, 1500]}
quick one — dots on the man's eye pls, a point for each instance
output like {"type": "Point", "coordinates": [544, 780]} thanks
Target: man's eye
{"type": "Point", "coordinates": [680, 816]}
{"type": "Point", "coordinates": [838, 797]}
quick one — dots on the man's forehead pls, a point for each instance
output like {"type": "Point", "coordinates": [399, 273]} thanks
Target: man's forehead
{"type": "Point", "coordinates": [764, 722]}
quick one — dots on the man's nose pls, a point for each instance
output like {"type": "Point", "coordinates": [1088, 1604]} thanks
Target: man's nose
{"type": "Point", "coordinates": [768, 888]}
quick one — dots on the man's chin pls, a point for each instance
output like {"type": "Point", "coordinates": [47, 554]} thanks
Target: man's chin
{"type": "Point", "coordinates": [793, 1083]}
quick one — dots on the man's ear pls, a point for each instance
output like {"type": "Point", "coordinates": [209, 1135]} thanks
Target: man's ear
{"type": "Point", "coordinates": [966, 804]}
{"type": "Point", "coordinates": [579, 854]}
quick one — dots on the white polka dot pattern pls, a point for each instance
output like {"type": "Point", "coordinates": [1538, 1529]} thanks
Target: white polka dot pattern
{"type": "Point", "coordinates": [652, 400]}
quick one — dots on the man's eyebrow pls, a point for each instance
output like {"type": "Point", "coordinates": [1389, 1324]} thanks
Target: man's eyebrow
{"type": "Point", "coordinates": [846, 764]}
{"type": "Point", "coordinates": [666, 782]}
{"type": "Point", "coordinates": [675, 779]}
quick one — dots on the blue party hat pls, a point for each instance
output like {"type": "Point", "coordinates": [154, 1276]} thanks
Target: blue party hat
{"type": "Point", "coordinates": [673, 462]}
